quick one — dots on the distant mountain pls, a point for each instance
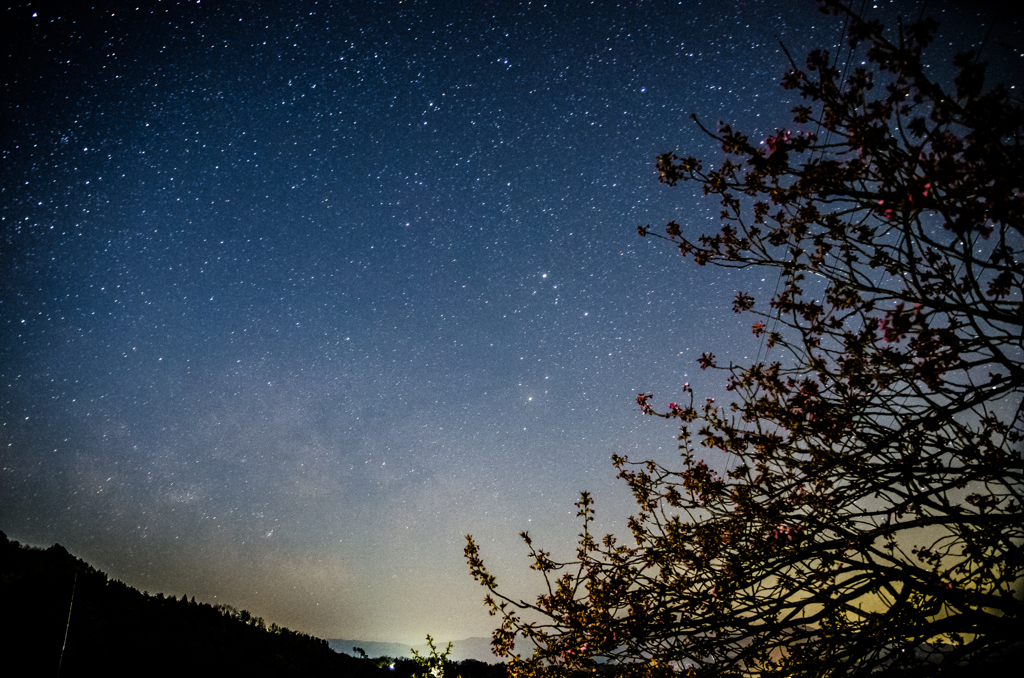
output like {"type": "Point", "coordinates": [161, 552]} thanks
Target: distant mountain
{"type": "Point", "coordinates": [372, 648]}
{"type": "Point", "coordinates": [477, 648]}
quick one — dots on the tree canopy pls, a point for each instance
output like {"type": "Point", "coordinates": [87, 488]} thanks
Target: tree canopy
{"type": "Point", "coordinates": [870, 518]}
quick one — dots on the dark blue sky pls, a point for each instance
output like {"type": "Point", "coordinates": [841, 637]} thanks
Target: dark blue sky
{"type": "Point", "coordinates": [296, 295]}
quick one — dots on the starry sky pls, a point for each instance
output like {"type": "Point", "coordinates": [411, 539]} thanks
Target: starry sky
{"type": "Point", "coordinates": [295, 295]}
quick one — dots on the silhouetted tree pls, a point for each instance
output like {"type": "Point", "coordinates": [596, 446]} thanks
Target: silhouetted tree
{"type": "Point", "coordinates": [871, 515]}
{"type": "Point", "coordinates": [431, 665]}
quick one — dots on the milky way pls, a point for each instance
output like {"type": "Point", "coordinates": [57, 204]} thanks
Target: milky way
{"type": "Point", "coordinates": [296, 295]}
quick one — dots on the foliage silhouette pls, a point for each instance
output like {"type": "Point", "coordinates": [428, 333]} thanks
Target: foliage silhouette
{"type": "Point", "coordinates": [432, 665]}
{"type": "Point", "coordinates": [870, 519]}
{"type": "Point", "coordinates": [404, 667]}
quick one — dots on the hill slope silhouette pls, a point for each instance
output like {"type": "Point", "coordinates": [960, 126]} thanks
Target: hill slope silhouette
{"type": "Point", "coordinates": [114, 629]}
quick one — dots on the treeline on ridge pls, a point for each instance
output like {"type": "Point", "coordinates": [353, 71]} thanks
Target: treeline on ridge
{"type": "Point", "coordinates": [116, 630]}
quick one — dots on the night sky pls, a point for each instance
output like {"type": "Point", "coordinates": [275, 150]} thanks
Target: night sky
{"type": "Point", "coordinates": [295, 295]}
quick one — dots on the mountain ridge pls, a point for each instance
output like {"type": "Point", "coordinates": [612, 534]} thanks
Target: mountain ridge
{"type": "Point", "coordinates": [62, 615]}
